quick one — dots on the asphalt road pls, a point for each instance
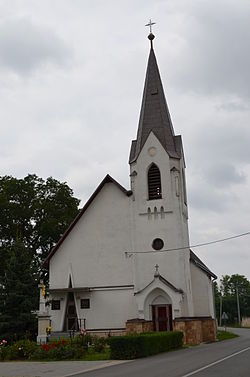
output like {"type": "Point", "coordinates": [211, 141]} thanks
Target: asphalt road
{"type": "Point", "coordinates": [230, 358]}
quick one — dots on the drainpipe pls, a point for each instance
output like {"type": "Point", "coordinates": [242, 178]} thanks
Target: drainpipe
{"type": "Point", "coordinates": [238, 305]}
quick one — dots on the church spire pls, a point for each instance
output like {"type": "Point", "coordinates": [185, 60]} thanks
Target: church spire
{"type": "Point", "coordinates": [154, 115]}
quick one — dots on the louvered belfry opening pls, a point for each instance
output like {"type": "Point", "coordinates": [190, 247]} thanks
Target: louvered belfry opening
{"type": "Point", "coordinates": [154, 182]}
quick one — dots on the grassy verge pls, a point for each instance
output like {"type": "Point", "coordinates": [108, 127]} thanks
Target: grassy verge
{"type": "Point", "coordinates": [96, 356]}
{"type": "Point", "coordinates": [224, 335]}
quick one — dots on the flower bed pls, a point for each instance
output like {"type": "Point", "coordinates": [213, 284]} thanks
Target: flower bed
{"type": "Point", "coordinates": [78, 348]}
{"type": "Point", "coordinates": [92, 348]}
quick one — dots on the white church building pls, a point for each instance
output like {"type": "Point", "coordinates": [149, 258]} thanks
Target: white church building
{"type": "Point", "coordinates": [124, 264]}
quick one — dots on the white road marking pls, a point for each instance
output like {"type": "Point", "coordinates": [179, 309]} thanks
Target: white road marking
{"type": "Point", "coordinates": [216, 362]}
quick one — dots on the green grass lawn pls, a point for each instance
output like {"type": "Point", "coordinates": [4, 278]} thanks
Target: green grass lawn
{"type": "Point", "coordinates": [224, 335]}
{"type": "Point", "coordinates": [94, 356]}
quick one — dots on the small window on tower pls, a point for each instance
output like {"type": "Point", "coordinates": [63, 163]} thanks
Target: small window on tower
{"type": "Point", "coordinates": [154, 182]}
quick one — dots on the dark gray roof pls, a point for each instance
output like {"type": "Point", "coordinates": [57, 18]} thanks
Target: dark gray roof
{"type": "Point", "coordinates": [197, 262]}
{"type": "Point", "coordinates": [154, 115]}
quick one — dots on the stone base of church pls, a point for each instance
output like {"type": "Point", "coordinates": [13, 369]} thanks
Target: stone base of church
{"type": "Point", "coordinates": [196, 329]}
{"type": "Point", "coordinates": [137, 326]}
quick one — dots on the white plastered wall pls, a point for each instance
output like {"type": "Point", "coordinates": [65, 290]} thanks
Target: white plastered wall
{"type": "Point", "coordinates": [202, 292]}
{"type": "Point", "coordinates": [94, 255]}
{"type": "Point", "coordinates": [109, 309]}
{"type": "Point", "coordinates": [95, 248]}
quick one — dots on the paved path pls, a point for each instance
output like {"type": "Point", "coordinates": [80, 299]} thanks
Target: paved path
{"type": "Point", "coordinates": [52, 368]}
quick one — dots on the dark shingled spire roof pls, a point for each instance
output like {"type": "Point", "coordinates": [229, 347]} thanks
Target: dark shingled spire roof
{"type": "Point", "coordinates": [154, 114]}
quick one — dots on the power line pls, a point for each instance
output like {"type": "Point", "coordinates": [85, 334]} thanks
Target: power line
{"type": "Point", "coordinates": [222, 239]}
{"type": "Point", "coordinates": [191, 246]}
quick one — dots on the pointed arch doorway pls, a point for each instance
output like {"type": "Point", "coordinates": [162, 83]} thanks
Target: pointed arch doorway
{"type": "Point", "coordinates": [161, 310]}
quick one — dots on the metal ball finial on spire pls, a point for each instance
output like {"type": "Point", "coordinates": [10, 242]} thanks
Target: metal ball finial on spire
{"type": "Point", "coordinates": [151, 35]}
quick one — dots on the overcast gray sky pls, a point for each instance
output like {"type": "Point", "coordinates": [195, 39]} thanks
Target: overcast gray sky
{"type": "Point", "coordinates": [71, 81]}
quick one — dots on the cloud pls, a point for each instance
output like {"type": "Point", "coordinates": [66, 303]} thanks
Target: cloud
{"type": "Point", "coordinates": [77, 124]}
{"type": "Point", "coordinates": [25, 46]}
{"type": "Point", "coordinates": [234, 105]}
{"type": "Point", "coordinates": [215, 57]}
{"type": "Point", "coordinates": [224, 174]}
{"type": "Point", "coordinates": [221, 143]}
{"type": "Point", "coordinates": [207, 198]}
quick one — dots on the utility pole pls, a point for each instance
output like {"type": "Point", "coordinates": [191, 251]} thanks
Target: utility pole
{"type": "Point", "coordinates": [220, 309]}
{"type": "Point", "coordinates": [238, 305]}
{"type": "Point", "coordinates": [215, 318]}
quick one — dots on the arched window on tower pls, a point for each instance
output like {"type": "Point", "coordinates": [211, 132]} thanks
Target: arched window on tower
{"type": "Point", "coordinates": [154, 182]}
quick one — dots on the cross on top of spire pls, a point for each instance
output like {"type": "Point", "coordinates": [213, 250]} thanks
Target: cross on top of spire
{"type": "Point", "coordinates": [150, 25]}
{"type": "Point", "coordinates": [151, 35]}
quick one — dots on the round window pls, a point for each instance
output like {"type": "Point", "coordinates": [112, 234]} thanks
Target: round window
{"type": "Point", "coordinates": [157, 244]}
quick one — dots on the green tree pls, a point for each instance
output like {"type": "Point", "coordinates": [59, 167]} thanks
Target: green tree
{"type": "Point", "coordinates": [228, 290]}
{"type": "Point", "coordinates": [228, 284]}
{"type": "Point", "coordinates": [34, 214]}
{"type": "Point", "coordinates": [18, 294]}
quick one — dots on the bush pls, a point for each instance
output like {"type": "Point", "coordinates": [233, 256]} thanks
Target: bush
{"type": "Point", "coordinates": [82, 341]}
{"type": "Point", "coordinates": [99, 344]}
{"type": "Point", "coordinates": [55, 349]}
{"type": "Point", "coordinates": [21, 350]}
{"type": "Point", "coordinates": [3, 349]}
{"type": "Point", "coordinates": [59, 350]}
{"type": "Point", "coordinates": [147, 344]}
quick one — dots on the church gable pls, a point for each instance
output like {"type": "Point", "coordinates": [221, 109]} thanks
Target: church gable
{"type": "Point", "coordinates": [107, 179]}
{"type": "Point", "coordinates": [96, 242]}
{"type": "Point", "coordinates": [159, 282]}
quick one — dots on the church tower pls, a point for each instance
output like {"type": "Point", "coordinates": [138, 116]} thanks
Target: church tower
{"type": "Point", "coordinates": [159, 200]}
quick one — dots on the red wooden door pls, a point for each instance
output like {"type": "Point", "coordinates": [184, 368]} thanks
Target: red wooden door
{"type": "Point", "coordinates": [162, 317]}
